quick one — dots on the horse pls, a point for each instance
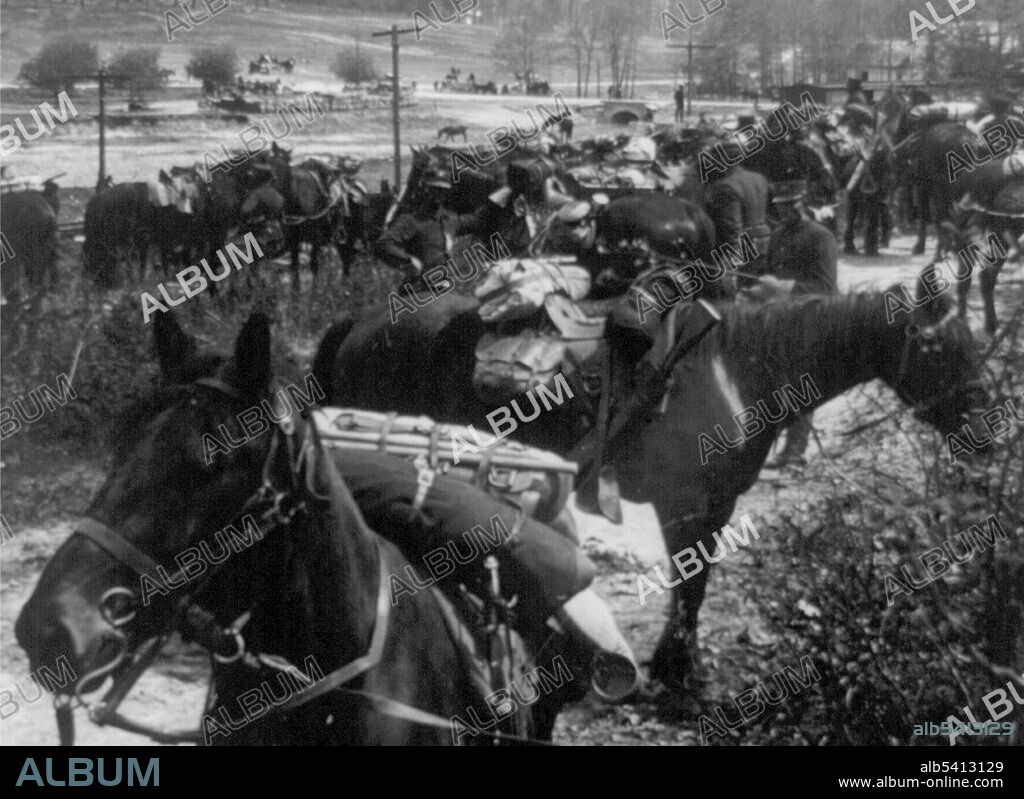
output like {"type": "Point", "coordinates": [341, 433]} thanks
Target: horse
{"type": "Point", "coordinates": [819, 347]}
{"type": "Point", "coordinates": [136, 215]}
{"type": "Point", "coordinates": [309, 580]}
{"type": "Point", "coordinates": [920, 152]}
{"type": "Point", "coordinates": [966, 245]}
{"type": "Point", "coordinates": [29, 248]}
{"type": "Point", "coordinates": [314, 210]}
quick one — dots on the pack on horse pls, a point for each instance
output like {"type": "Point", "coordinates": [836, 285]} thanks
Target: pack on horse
{"type": "Point", "coordinates": [312, 582]}
{"type": "Point", "coordinates": [920, 150]}
{"type": "Point", "coordinates": [950, 171]}
{"type": "Point", "coordinates": [317, 203]}
{"type": "Point", "coordinates": [746, 362]}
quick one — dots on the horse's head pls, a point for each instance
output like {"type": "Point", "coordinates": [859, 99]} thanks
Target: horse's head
{"type": "Point", "coordinates": [937, 368]}
{"type": "Point", "coordinates": [186, 466]}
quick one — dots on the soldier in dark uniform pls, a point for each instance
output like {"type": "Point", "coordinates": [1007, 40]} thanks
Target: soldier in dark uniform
{"type": "Point", "coordinates": [737, 203]}
{"type": "Point", "coordinates": [801, 249]}
{"type": "Point", "coordinates": [807, 253]}
{"type": "Point", "coordinates": [503, 214]}
{"type": "Point", "coordinates": [416, 241]}
{"type": "Point", "coordinates": [547, 570]}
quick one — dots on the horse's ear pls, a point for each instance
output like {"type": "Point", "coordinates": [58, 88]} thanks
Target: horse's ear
{"type": "Point", "coordinates": [173, 345]}
{"type": "Point", "coordinates": [252, 373]}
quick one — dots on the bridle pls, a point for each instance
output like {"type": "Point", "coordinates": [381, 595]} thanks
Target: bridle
{"type": "Point", "coordinates": [930, 341]}
{"type": "Point", "coordinates": [276, 508]}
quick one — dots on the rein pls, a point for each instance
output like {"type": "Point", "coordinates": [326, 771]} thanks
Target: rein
{"type": "Point", "coordinates": [280, 508]}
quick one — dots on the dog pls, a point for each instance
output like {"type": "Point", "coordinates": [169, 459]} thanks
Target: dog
{"type": "Point", "coordinates": [452, 131]}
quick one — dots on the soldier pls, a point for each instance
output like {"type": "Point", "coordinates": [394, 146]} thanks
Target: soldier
{"type": "Point", "coordinates": [503, 214]}
{"type": "Point", "coordinates": [807, 253]}
{"type": "Point", "coordinates": [416, 241]}
{"type": "Point", "coordinates": [737, 203]}
{"type": "Point", "coordinates": [546, 569]}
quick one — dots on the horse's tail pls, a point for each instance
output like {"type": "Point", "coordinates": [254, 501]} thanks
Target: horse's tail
{"type": "Point", "coordinates": [323, 363]}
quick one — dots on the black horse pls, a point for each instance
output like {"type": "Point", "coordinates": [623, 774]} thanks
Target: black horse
{"type": "Point", "coordinates": [311, 583]}
{"type": "Point", "coordinates": [28, 250]}
{"type": "Point", "coordinates": [423, 364]}
{"type": "Point", "coordinates": [922, 154]}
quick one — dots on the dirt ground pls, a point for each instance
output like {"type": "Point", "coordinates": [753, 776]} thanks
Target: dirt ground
{"type": "Point", "coordinates": [58, 483]}
{"type": "Point", "coordinates": [54, 485]}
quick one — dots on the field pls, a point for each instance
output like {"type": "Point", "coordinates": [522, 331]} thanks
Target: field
{"type": "Point", "coordinates": [877, 478]}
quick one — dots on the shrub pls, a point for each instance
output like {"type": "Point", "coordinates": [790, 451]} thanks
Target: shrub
{"type": "Point", "coordinates": [215, 66]}
{"type": "Point", "coordinates": [141, 68]}
{"type": "Point", "coordinates": [354, 65]}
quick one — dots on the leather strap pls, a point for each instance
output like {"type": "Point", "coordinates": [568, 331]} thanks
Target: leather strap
{"type": "Point", "coordinates": [117, 546]}
{"type": "Point", "coordinates": [360, 665]}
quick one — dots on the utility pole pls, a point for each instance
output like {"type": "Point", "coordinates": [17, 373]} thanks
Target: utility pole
{"type": "Point", "coordinates": [394, 33]}
{"type": "Point", "coordinates": [690, 47]}
{"type": "Point", "coordinates": [102, 180]}
{"type": "Point", "coordinates": [101, 77]}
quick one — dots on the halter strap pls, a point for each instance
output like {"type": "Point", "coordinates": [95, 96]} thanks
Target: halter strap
{"type": "Point", "coordinates": [117, 546]}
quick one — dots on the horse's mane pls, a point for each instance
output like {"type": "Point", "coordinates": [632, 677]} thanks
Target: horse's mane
{"type": "Point", "coordinates": [801, 333]}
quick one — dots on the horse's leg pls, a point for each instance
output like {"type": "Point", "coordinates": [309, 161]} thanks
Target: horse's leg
{"type": "Point", "coordinates": [873, 209]}
{"type": "Point", "coordinates": [852, 203]}
{"type": "Point", "coordinates": [885, 223]}
{"type": "Point", "coordinates": [676, 660]}
{"type": "Point", "coordinates": [924, 209]}
{"type": "Point", "coordinates": [988, 277]}
{"type": "Point", "coordinates": [963, 287]}
{"type": "Point", "coordinates": [296, 246]}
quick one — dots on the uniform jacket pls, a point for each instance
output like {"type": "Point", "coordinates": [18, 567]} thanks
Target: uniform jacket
{"type": "Point", "coordinates": [807, 253]}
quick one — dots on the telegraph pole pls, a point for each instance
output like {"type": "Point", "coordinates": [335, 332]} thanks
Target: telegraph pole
{"type": "Point", "coordinates": [396, 90]}
{"type": "Point", "coordinates": [102, 181]}
{"type": "Point", "coordinates": [690, 47]}
{"type": "Point", "coordinates": [101, 77]}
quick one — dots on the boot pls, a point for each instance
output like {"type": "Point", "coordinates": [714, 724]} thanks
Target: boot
{"type": "Point", "coordinates": [616, 674]}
